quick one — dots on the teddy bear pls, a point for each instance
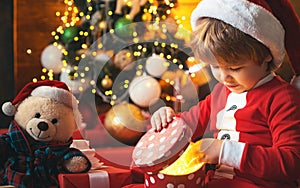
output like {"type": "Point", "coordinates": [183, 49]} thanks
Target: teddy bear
{"type": "Point", "coordinates": [36, 147]}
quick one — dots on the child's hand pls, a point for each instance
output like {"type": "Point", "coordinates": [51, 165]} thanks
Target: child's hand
{"type": "Point", "coordinates": [162, 117]}
{"type": "Point", "coordinates": [208, 150]}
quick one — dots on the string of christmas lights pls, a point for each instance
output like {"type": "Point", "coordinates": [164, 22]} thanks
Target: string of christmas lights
{"type": "Point", "coordinates": [102, 45]}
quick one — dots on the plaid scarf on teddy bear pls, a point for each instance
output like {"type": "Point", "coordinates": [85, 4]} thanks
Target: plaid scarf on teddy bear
{"type": "Point", "coordinates": [30, 163]}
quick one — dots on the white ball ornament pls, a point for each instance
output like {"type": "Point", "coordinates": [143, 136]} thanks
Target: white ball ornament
{"type": "Point", "coordinates": [51, 58]}
{"type": "Point", "coordinates": [156, 65]}
{"type": "Point", "coordinates": [144, 90]}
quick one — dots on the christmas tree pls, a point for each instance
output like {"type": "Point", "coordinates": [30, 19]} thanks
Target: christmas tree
{"type": "Point", "coordinates": [134, 51]}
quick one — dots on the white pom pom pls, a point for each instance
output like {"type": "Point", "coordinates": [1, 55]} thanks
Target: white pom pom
{"type": "Point", "coordinates": [296, 82]}
{"type": "Point", "coordinates": [8, 109]}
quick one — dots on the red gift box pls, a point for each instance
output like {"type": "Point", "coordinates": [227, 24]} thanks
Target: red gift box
{"type": "Point", "coordinates": [157, 150]}
{"type": "Point", "coordinates": [193, 180]}
{"type": "Point", "coordinates": [109, 176]}
{"type": "Point", "coordinates": [114, 178]}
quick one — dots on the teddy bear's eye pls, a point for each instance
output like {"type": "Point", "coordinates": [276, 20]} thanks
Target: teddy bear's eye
{"type": "Point", "coordinates": [54, 121]}
{"type": "Point", "coordinates": [37, 115]}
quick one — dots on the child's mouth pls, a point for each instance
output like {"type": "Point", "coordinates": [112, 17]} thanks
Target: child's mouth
{"type": "Point", "coordinates": [231, 86]}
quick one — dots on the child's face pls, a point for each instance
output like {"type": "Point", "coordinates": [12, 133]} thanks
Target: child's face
{"type": "Point", "coordinates": [240, 77]}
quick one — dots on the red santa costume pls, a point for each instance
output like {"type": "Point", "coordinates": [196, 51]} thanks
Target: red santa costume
{"type": "Point", "coordinates": [261, 127]}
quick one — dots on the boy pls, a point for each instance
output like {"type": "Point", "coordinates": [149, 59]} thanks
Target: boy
{"type": "Point", "coordinates": [253, 113]}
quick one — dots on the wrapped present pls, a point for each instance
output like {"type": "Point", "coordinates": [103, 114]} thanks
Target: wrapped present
{"type": "Point", "coordinates": [100, 175]}
{"type": "Point", "coordinates": [167, 159]}
{"type": "Point", "coordinates": [108, 155]}
{"type": "Point", "coordinates": [106, 177]}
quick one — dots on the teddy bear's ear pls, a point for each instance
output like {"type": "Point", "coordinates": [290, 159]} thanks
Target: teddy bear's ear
{"type": "Point", "coordinates": [9, 109]}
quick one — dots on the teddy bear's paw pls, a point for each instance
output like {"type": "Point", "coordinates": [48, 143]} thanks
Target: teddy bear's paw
{"type": "Point", "coordinates": [76, 164]}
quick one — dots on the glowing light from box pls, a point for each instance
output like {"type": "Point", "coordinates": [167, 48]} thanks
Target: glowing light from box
{"type": "Point", "coordinates": [187, 163]}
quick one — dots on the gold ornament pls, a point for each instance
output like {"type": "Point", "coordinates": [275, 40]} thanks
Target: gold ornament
{"type": "Point", "coordinates": [106, 82]}
{"type": "Point", "coordinates": [125, 123]}
{"type": "Point", "coordinates": [103, 25]}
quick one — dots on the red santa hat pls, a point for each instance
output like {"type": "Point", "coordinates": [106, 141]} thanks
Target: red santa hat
{"type": "Point", "coordinates": [53, 89]}
{"type": "Point", "coordinates": [273, 23]}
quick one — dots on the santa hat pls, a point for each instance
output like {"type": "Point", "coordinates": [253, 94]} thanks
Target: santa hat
{"type": "Point", "coordinates": [54, 89]}
{"type": "Point", "coordinates": [273, 23]}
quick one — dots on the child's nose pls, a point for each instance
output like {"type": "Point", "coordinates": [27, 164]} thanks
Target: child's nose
{"type": "Point", "coordinates": [225, 75]}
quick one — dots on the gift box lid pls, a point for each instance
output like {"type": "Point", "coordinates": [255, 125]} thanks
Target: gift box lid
{"type": "Point", "coordinates": [156, 150]}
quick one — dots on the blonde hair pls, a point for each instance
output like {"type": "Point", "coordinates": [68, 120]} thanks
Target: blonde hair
{"type": "Point", "coordinates": [216, 40]}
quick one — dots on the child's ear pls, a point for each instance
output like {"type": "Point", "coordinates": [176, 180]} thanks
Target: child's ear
{"type": "Point", "coordinates": [268, 59]}
{"type": "Point", "coordinates": [268, 62]}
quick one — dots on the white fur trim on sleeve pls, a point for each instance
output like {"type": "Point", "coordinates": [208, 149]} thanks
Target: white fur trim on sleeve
{"type": "Point", "coordinates": [248, 17]}
{"type": "Point", "coordinates": [231, 153]}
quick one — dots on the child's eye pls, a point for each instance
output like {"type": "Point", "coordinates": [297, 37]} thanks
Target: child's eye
{"type": "Point", "coordinates": [235, 68]}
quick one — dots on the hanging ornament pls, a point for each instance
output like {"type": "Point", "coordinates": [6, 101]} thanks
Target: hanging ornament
{"type": "Point", "coordinates": [156, 65]}
{"type": "Point", "coordinates": [51, 58]}
{"type": "Point", "coordinates": [102, 68]}
{"type": "Point", "coordinates": [124, 27]}
{"type": "Point", "coordinates": [123, 59]}
{"type": "Point", "coordinates": [69, 34]}
{"type": "Point", "coordinates": [106, 82]}
{"type": "Point", "coordinates": [125, 122]}
{"type": "Point", "coordinates": [144, 90]}
{"type": "Point", "coordinates": [102, 25]}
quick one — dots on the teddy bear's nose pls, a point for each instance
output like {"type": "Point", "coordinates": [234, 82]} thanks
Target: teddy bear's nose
{"type": "Point", "coordinates": [43, 126]}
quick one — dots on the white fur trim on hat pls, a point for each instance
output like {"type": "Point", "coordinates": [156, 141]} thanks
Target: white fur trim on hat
{"type": "Point", "coordinates": [248, 17]}
{"type": "Point", "coordinates": [8, 109]}
{"type": "Point", "coordinates": [60, 95]}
